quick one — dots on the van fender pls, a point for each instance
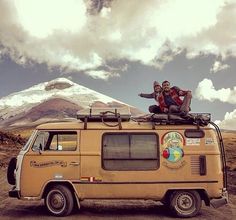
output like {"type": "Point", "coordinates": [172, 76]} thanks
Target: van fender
{"type": "Point", "coordinates": [66, 183]}
{"type": "Point", "coordinates": [202, 192]}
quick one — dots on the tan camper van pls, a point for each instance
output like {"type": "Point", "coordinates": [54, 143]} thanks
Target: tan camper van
{"type": "Point", "coordinates": [110, 155]}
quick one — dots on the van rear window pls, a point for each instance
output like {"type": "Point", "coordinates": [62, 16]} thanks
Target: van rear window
{"type": "Point", "coordinates": [130, 151]}
{"type": "Point", "coordinates": [194, 133]}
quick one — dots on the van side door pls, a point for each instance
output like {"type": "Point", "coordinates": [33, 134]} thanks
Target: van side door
{"type": "Point", "coordinates": [53, 156]}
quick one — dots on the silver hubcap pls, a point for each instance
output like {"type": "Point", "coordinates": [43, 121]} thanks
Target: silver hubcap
{"type": "Point", "coordinates": [56, 201]}
{"type": "Point", "coordinates": [185, 202]}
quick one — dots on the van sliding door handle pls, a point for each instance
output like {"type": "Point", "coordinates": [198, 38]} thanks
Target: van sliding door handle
{"type": "Point", "coordinates": [74, 163]}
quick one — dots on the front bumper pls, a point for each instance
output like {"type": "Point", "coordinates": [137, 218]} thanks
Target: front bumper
{"type": "Point", "coordinates": [223, 200]}
{"type": "Point", "coordinates": [14, 193]}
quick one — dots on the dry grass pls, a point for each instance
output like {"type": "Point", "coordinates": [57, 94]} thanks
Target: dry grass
{"type": "Point", "coordinates": [25, 133]}
{"type": "Point", "coordinates": [230, 149]}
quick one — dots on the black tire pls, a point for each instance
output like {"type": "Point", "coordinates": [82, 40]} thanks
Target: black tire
{"type": "Point", "coordinates": [10, 171]}
{"type": "Point", "coordinates": [59, 200]}
{"type": "Point", "coordinates": [166, 200]}
{"type": "Point", "coordinates": [185, 204]}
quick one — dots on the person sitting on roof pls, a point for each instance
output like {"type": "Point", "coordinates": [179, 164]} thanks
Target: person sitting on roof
{"type": "Point", "coordinates": [170, 101]}
{"type": "Point", "coordinates": [154, 95]}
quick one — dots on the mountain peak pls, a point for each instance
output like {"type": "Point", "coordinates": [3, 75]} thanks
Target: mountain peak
{"type": "Point", "coordinates": [59, 83]}
{"type": "Point", "coordinates": [48, 100]}
{"type": "Point", "coordinates": [61, 79]}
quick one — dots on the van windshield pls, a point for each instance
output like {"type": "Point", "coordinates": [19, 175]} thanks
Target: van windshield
{"type": "Point", "coordinates": [25, 147]}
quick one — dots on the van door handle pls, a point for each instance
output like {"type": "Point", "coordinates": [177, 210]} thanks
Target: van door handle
{"type": "Point", "coordinates": [74, 163]}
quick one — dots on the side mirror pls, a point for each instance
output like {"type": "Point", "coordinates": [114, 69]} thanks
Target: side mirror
{"type": "Point", "coordinates": [38, 148]}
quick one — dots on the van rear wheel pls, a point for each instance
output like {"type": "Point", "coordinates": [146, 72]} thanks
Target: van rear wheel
{"type": "Point", "coordinates": [185, 204]}
{"type": "Point", "coordinates": [59, 201]}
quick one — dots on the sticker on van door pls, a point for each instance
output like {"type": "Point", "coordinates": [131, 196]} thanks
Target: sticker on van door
{"type": "Point", "coordinates": [48, 164]}
{"type": "Point", "coordinates": [172, 145]}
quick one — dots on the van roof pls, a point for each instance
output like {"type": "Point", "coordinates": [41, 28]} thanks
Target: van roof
{"type": "Point", "coordinates": [78, 125]}
{"type": "Point", "coordinates": [95, 119]}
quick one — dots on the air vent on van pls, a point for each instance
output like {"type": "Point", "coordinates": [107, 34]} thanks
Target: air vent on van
{"type": "Point", "coordinates": [195, 165]}
{"type": "Point", "coordinates": [198, 165]}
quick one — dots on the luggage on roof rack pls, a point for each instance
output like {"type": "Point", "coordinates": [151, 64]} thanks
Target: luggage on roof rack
{"type": "Point", "coordinates": [104, 114]}
{"type": "Point", "coordinates": [202, 119]}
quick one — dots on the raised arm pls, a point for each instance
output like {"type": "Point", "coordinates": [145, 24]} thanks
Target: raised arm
{"type": "Point", "coordinates": [148, 96]}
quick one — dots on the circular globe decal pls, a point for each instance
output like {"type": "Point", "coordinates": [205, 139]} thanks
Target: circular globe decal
{"type": "Point", "coordinates": [173, 154]}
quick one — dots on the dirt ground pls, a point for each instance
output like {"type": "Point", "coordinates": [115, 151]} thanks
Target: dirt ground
{"type": "Point", "coordinates": [11, 208]}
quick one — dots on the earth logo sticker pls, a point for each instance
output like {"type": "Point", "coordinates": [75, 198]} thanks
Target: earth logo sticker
{"type": "Point", "coordinates": [173, 142]}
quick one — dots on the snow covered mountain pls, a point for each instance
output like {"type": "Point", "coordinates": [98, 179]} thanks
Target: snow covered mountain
{"type": "Point", "coordinates": [57, 99]}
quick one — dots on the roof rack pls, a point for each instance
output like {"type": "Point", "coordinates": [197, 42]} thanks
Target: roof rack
{"type": "Point", "coordinates": [119, 115]}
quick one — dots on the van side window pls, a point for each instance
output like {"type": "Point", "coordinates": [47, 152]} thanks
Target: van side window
{"type": "Point", "coordinates": [62, 141]}
{"type": "Point", "coordinates": [130, 151]}
{"type": "Point", "coordinates": [40, 141]}
{"type": "Point", "coordinates": [194, 133]}
{"type": "Point", "coordinates": [56, 141]}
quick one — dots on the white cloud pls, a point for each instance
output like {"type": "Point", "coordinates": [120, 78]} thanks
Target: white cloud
{"type": "Point", "coordinates": [207, 91]}
{"type": "Point", "coordinates": [101, 74]}
{"type": "Point", "coordinates": [151, 32]}
{"type": "Point", "coordinates": [229, 121]}
{"type": "Point", "coordinates": [218, 66]}
{"type": "Point", "coordinates": [122, 68]}
{"type": "Point", "coordinates": [40, 18]}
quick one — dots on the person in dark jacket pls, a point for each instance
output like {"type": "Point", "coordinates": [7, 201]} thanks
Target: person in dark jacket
{"type": "Point", "coordinates": [170, 101]}
{"type": "Point", "coordinates": [154, 95]}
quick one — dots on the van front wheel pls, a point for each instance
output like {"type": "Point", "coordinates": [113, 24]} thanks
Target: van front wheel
{"type": "Point", "coordinates": [185, 203]}
{"type": "Point", "coordinates": [59, 200]}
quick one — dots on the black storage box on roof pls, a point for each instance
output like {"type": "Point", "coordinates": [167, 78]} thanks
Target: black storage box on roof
{"type": "Point", "coordinates": [104, 114]}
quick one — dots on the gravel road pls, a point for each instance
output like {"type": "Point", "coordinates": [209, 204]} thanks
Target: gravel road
{"type": "Point", "coordinates": [11, 208]}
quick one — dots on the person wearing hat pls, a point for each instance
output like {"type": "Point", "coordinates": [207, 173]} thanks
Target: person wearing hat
{"type": "Point", "coordinates": [154, 95]}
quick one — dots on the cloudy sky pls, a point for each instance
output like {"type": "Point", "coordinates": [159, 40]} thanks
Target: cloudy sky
{"type": "Point", "coordinates": [119, 47]}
